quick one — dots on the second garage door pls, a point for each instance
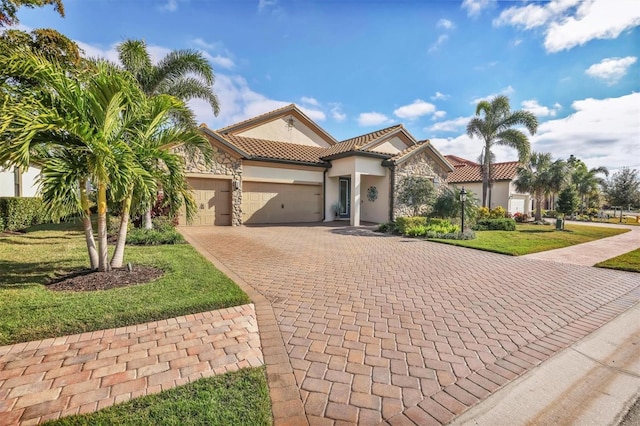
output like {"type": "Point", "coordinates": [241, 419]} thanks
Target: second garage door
{"type": "Point", "coordinates": [264, 202]}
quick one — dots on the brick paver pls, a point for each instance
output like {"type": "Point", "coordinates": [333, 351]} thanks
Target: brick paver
{"type": "Point", "coordinates": [401, 331]}
{"type": "Point", "coordinates": [43, 380]}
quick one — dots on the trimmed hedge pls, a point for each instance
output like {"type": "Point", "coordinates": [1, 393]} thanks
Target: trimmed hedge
{"type": "Point", "coordinates": [154, 237]}
{"type": "Point", "coordinates": [20, 212]}
{"type": "Point", "coordinates": [405, 223]}
{"type": "Point", "coordinates": [503, 224]}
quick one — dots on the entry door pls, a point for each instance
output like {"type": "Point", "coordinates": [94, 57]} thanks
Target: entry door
{"type": "Point", "coordinates": [345, 197]}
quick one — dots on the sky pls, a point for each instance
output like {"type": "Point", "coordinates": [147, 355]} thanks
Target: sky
{"type": "Point", "coordinates": [355, 66]}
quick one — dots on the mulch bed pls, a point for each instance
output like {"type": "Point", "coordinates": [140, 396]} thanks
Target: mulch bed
{"type": "Point", "coordinates": [88, 280]}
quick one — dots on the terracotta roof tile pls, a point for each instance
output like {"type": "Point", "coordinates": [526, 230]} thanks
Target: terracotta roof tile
{"type": "Point", "coordinates": [467, 171]}
{"type": "Point", "coordinates": [261, 148]}
{"type": "Point", "coordinates": [355, 144]}
{"type": "Point", "coordinates": [459, 161]}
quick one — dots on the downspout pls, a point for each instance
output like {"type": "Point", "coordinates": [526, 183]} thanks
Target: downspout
{"type": "Point", "coordinates": [324, 194]}
{"type": "Point", "coordinates": [392, 183]}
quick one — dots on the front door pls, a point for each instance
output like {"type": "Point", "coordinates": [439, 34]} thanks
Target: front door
{"type": "Point", "coordinates": [345, 197]}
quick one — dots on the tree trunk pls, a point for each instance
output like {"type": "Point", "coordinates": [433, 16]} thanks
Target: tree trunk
{"type": "Point", "coordinates": [538, 217]}
{"type": "Point", "coordinates": [147, 220]}
{"type": "Point", "coordinates": [485, 177]}
{"type": "Point", "coordinates": [103, 254]}
{"type": "Point", "coordinates": [118, 254]}
{"type": "Point", "coordinates": [88, 227]}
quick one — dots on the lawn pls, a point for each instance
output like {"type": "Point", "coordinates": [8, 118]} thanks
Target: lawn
{"type": "Point", "coordinates": [238, 398]}
{"type": "Point", "coordinates": [625, 262]}
{"type": "Point", "coordinates": [29, 311]}
{"type": "Point", "coordinates": [528, 239]}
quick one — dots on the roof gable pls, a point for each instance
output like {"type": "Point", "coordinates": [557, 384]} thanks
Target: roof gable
{"type": "Point", "coordinates": [287, 124]}
{"type": "Point", "coordinates": [468, 171]}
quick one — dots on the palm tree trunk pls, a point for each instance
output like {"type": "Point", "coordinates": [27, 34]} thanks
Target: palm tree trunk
{"type": "Point", "coordinates": [88, 227]}
{"type": "Point", "coordinates": [485, 177]}
{"type": "Point", "coordinates": [538, 216]}
{"type": "Point", "coordinates": [148, 224]}
{"type": "Point", "coordinates": [103, 255]}
{"type": "Point", "coordinates": [118, 254]}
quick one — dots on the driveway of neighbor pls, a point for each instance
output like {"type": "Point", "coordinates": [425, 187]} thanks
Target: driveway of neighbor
{"type": "Point", "coordinates": [384, 328]}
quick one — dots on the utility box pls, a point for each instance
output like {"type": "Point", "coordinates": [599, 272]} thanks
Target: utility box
{"type": "Point", "coordinates": [558, 224]}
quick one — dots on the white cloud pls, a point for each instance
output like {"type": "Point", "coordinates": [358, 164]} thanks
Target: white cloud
{"type": "Point", "coordinates": [570, 23]}
{"type": "Point", "coordinates": [611, 70]}
{"type": "Point", "coordinates": [453, 125]}
{"type": "Point", "coordinates": [310, 101]}
{"type": "Point", "coordinates": [201, 43]}
{"type": "Point", "coordinates": [438, 115]}
{"type": "Point", "coordinates": [415, 110]}
{"type": "Point", "coordinates": [439, 96]}
{"type": "Point", "coordinates": [314, 114]}
{"type": "Point", "coordinates": [373, 119]}
{"type": "Point", "coordinates": [533, 106]}
{"type": "Point", "coordinates": [475, 7]}
{"type": "Point", "coordinates": [580, 133]}
{"type": "Point", "coordinates": [169, 6]}
{"type": "Point", "coordinates": [219, 61]}
{"type": "Point", "coordinates": [446, 24]}
{"type": "Point", "coordinates": [509, 90]}
{"type": "Point", "coordinates": [263, 5]}
{"type": "Point", "coordinates": [441, 39]}
{"type": "Point", "coordinates": [91, 51]}
{"type": "Point", "coordinates": [337, 114]}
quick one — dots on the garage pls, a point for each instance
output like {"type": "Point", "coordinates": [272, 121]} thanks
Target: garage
{"type": "Point", "coordinates": [213, 198]}
{"type": "Point", "coordinates": [265, 202]}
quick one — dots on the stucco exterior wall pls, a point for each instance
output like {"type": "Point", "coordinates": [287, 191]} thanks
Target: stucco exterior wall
{"type": "Point", "coordinates": [376, 211]}
{"type": "Point", "coordinates": [423, 165]}
{"type": "Point", "coordinates": [280, 130]}
{"type": "Point", "coordinates": [28, 184]}
{"type": "Point", "coordinates": [280, 174]}
{"type": "Point", "coordinates": [393, 145]}
{"type": "Point", "coordinates": [223, 164]}
{"type": "Point", "coordinates": [7, 183]}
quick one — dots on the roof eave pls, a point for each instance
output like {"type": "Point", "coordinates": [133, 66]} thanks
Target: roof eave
{"type": "Point", "coordinates": [355, 154]}
{"type": "Point", "coordinates": [283, 161]}
{"type": "Point", "coordinates": [225, 142]}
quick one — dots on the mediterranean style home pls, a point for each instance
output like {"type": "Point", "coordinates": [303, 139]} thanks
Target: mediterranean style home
{"type": "Point", "coordinates": [282, 167]}
{"type": "Point", "coordinates": [17, 183]}
{"type": "Point", "coordinates": [502, 192]}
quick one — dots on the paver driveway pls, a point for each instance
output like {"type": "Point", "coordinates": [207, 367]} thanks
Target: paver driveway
{"type": "Point", "coordinates": [388, 329]}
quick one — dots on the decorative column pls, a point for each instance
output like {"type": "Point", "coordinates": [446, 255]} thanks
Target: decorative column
{"type": "Point", "coordinates": [355, 199]}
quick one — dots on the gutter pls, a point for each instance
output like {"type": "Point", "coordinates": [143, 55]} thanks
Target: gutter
{"type": "Point", "coordinates": [392, 183]}
{"type": "Point", "coordinates": [356, 154]}
{"type": "Point", "coordinates": [324, 194]}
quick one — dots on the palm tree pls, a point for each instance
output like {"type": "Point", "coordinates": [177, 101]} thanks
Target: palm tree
{"type": "Point", "coordinates": [540, 177]}
{"type": "Point", "coordinates": [77, 126]}
{"type": "Point", "coordinates": [185, 74]}
{"type": "Point", "coordinates": [587, 183]}
{"type": "Point", "coordinates": [496, 128]}
{"type": "Point", "coordinates": [153, 141]}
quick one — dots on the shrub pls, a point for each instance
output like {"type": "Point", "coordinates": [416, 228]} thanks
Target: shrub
{"type": "Point", "coordinates": [388, 227]}
{"type": "Point", "coordinates": [1, 224]}
{"type": "Point", "coordinates": [497, 213]}
{"type": "Point", "coordinates": [550, 213]}
{"type": "Point", "coordinates": [153, 237]}
{"type": "Point", "coordinates": [503, 224]}
{"type": "Point", "coordinates": [163, 223]}
{"type": "Point", "coordinates": [21, 212]}
{"type": "Point", "coordinates": [403, 223]}
{"type": "Point", "coordinates": [520, 217]}
{"type": "Point", "coordinates": [483, 213]}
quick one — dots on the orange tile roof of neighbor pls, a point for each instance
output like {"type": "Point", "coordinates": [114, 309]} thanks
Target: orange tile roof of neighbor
{"type": "Point", "coordinates": [468, 171]}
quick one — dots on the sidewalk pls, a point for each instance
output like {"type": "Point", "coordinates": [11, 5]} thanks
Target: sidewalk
{"type": "Point", "coordinates": [594, 381]}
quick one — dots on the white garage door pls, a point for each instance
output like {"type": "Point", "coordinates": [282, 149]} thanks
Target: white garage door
{"type": "Point", "coordinates": [213, 198]}
{"type": "Point", "coordinates": [516, 206]}
{"type": "Point", "coordinates": [280, 203]}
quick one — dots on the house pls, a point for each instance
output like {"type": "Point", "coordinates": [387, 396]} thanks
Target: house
{"type": "Point", "coordinates": [17, 183]}
{"type": "Point", "coordinates": [282, 167]}
{"type": "Point", "coordinates": [502, 193]}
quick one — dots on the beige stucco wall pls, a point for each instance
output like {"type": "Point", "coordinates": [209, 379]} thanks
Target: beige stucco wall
{"type": "Point", "coordinates": [374, 211]}
{"type": "Point", "coordinates": [280, 174]}
{"type": "Point", "coordinates": [279, 130]}
{"type": "Point", "coordinates": [7, 183]}
{"type": "Point", "coordinates": [393, 145]}
{"type": "Point", "coordinates": [29, 184]}
{"type": "Point", "coordinates": [501, 194]}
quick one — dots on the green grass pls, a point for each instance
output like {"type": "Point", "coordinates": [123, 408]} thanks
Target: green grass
{"type": "Point", "coordinates": [625, 262]}
{"type": "Point", "coordinates": [239, 398]}
{"type": "Point", "coordinates": [29, 311]}
{"type": "Point", "coordinates": [528, 239]}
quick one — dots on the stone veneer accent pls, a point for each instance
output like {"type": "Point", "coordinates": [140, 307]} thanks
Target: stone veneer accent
{"type": "Point", "coordinates": [421, 164]}
{"type": "Point", "coordinates": [223, 164]}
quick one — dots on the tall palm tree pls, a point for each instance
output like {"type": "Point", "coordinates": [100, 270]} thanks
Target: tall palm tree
{"type": "Point", "coordinates": [587, 183]}
{"type": "Point", "coordinates": [153, 140]}
{"type": "Point", "coordinates": [80, 122]}
{"type": "Point", "coordinates": [185, 74]}
{"type": "Point", "coordinates": [497, 128]}
{"type": "Point", "coordinates": [540, 177]}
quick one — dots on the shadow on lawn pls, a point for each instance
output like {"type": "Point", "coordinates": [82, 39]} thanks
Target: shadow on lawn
{"type": "Point", "coordinates": [24, 274]}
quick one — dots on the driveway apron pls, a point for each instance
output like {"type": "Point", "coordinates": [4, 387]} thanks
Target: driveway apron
{"type": "Point", "coordinates": [385, 329]}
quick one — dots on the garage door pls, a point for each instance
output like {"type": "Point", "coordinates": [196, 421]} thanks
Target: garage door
{"type": "Point", "coordinates": [517, 206]}
{"type": "Point", "coordinates": [280, 203]}
{"type": "Point", "coordinates": [213, 198]}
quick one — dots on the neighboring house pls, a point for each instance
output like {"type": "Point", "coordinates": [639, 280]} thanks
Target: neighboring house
{"type": "Point", "coordinates": [16, 183]}
{"type": "Point", "coordinates": [503, 191]}
{"type": "Point", "coordinates": [282, 167]}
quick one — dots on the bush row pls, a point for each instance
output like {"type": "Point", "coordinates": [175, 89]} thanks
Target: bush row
{"type": "Point", "coordinates": [20, 212]}
{"type": "Point", "coordinates": [405, 223]}
{"type": "Point", "coordinates": [503, 224]}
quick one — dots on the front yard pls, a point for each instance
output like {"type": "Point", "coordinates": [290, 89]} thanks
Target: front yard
{"type": "Point", "coordinates": [528, 239]}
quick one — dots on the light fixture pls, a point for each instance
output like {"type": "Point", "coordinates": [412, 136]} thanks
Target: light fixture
{"type": "Point", "coordinates": [463, 198]}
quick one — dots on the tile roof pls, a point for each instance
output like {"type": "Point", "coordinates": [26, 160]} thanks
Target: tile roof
{"type": "Point", "coordinates": [261, 148]}
{"type": "Point", "coordinates": [459, 161]}
{"type": "Point", "coordinates": [468, 171]}
{"type": "Point", "coordinates": [355, 144]}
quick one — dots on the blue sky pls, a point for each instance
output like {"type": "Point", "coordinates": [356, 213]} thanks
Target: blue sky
{"type": "Point", "coordinates": [357, 66]}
